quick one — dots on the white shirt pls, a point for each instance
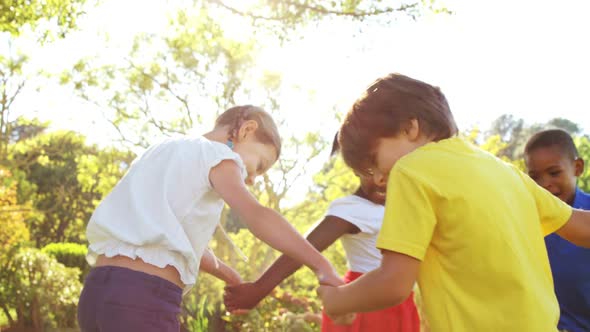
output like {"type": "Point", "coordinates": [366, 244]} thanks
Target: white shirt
{"type": "Point", "coordinates": [164, 210]}
{"type": "Point", "coordinates": [361, 251]}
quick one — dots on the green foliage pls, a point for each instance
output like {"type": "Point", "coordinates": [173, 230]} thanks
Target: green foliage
{"type": "Point", "coordinates": [197, 313]}
{"type": "Point", "coordinates": [514, 133]}
{"type": "Point", "coordinates": [583, 145]}
{"type": "Point", "coordinates": [283, 17]}
{"type": "Point", "coordinates": [11, 66]}
{"type": "Point", "coordinates": [46, 19]}
{"type": "Point", "coordinates": [44, 292]}
{"type": "Point", "coordinates": [24, 128]}
{"type": "Point", "coordinates": [58, 15]}
{"type": "Point", "coordinates": [13, 234]}
{"type": "Point", "coordinates": [509, 136]}
{"type": "Point", "coordinates": [194, 67]}
{"type": "Point", "coordinates": [13, 230]}
{"type": "Point", "coordinates": [70, 255]}
{"type": "Point", "coordinates": [4, 320]}
{"type": "Point", "coordinates": [65, 179]}
{"type": "Point", "coordinates": [199, 65]}
{"type": "Point", "coordinates": [565, 124]}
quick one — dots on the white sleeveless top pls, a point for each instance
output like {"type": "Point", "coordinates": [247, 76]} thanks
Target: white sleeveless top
{"type": "Point", "coordinates": [361, 251]}
{"type": "Point", "coordinates": [164, 210]}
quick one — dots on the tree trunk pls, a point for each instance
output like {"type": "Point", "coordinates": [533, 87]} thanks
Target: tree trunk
{"type": "Point", "coordinates": [20, 316]}
{"type": "Point", "coordinates": [7, 313]}
{"type": "Point", "coordinates": [36, 316]}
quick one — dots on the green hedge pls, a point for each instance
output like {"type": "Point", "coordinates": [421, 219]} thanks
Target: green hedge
{"type": "Point", "coordinates": [70, 255]}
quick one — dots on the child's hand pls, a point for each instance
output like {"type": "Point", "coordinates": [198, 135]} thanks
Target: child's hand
{"type": "Point", "coordinates": [232, 277]}
{"type": "Point", "coordinates": [346, 319]}
{"type": "Point", "coordinates": [239, 312]}
{"type": "Point", "coordinates": [243, 296]}
{"type": "Point", "coordinates": [328, 296]}
{"type": "Point", "coordinates": [329, 277]}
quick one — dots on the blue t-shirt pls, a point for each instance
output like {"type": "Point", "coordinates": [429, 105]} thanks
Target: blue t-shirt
{"type": "Point", "coordinates": [570, 265]}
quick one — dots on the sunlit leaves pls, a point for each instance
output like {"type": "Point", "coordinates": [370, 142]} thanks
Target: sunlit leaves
{"type": "Point", "coordinates": [13, 230]}
{"type": "Point", "coordinates": [50, 16]}
{"type": "Point", "coordinates": [64, 179]}
{"type": "Point", "coordinates": [583, 145]}
{"type": "Point", "coordinates": [45, 290]}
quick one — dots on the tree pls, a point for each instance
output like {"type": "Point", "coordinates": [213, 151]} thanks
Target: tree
{"type": "Point", "coordinates": [169, 82]}
{"type": "Point", "coordinates": [193, 72]}
{"type": "Point", "coordinates": [11, 85]}
{"type": "Point", "coordinates": [55, 15]}
{"type": "Point", "coordinates": [13, 233]}
{"type": "Point", "coordinates": [565, 124]}
{"type": "Point", "coordinates": [45, 293]}
{"type": "Point", "coordinates": [583, 145]}
{"type": "Point", "coordinates": [13, 230]}
{"type": "Point", "coordinates": [516, 132]}
{"type": "Point", "coordinates": [44, 19]}
{"type": "Point", "coordinates": [24, 128]}
{"type": "Point", "coordinates": [282, 17]}
{"type": "Point", "coordinates": [65, 179]}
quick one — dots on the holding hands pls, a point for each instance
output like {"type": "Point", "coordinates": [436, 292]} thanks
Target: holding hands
{"type": "Point", "coordinates": [240, 298]}
{"type": "Point", "coordinates": [243, 296]}
{"type": "Point", "coordinates": [327, 295]}
{"type": "Point", "coordinates": [329, 283]}
{"type": "Point", "coordinates": [329, 277]}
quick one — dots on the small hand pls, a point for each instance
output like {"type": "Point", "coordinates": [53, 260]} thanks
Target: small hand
{"type": "Point", "coordinates": [243, 296]}
{"type": "Point", "coordinates": [346, 319]}
{"type": "Point", "coordinates": [328, 296]}
{"type": "Point", "coordinates": [329, 277]}
{"type": "Point", "coordinates": [233, 277]}
{"type": "Point", "coordinates": [239, 312]}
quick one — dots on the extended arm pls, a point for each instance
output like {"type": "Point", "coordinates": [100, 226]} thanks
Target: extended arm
{"type": "Point", "coordinates": [577, 228]}
{"type": "Point", "coordinates": [218, 269]}
{"type": "Point", "coordinates": [248, 295]}
{"type": "Point", "coordinates": [388, 285]}
{"type": "Point", "coordinates": [266, 224]}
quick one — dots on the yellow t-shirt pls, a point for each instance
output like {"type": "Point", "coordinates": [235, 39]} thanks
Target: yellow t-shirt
{"type": "Point", "coordinates": [477, 224]}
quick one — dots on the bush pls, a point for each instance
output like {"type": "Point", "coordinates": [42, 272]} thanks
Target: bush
{"type": "Point", "coordinates": [13, 229]}
{"type": "Point", "coordinates": [13, 235]}
{"type": "Point", "coordinates": [45, 292]}
{"type": "Point", "coordinates": [70, 255]}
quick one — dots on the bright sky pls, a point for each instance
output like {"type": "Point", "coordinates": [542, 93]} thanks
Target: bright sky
{"type": "Point", "coordinates": [527, 58]}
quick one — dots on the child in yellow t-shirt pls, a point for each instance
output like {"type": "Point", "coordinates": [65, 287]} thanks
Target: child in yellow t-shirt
{"type": "Point", "coordinates": [468, 226]}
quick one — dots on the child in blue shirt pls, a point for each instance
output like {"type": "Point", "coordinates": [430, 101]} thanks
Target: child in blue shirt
{"type": "Point", "coordinates": [553, 162]}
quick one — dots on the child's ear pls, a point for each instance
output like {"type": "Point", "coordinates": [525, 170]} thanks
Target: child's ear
{"type": "Point", "coordinates": [248, 128]}
{"type": "Point", "coordinates": [413, 129]}
{"type": "Point", "coordinates": [578, 166]}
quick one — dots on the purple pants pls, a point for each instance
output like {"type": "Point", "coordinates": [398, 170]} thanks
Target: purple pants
{"type": "Point", "coordinates": [116, 299]}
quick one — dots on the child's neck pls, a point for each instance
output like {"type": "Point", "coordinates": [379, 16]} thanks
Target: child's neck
{"type": "Point", "coordinates": [217, 135]}
{"type": "Point", "coordinates": [360, 193]}
{"type": "Point", "coordinates": [572, 199]}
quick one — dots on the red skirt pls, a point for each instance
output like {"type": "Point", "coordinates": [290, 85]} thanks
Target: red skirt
{"type": "Point", "coordinates": [401, 318]}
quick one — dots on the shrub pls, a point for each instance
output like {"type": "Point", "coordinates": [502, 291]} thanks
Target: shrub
{"type": "Point", "coordinates": [45, 292]}
{"type": "Point", "coordinates": [70, 255]}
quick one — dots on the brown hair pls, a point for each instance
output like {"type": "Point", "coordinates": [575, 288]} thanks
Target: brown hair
{"type": "Point", "coordinates": [335, 146]}
{"type": "Point", "coordinates": [553, 138]}
{"type": "Point", "coordinates": [385, 109]}
{"type": "Point", "coordinates": [267, 132]}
